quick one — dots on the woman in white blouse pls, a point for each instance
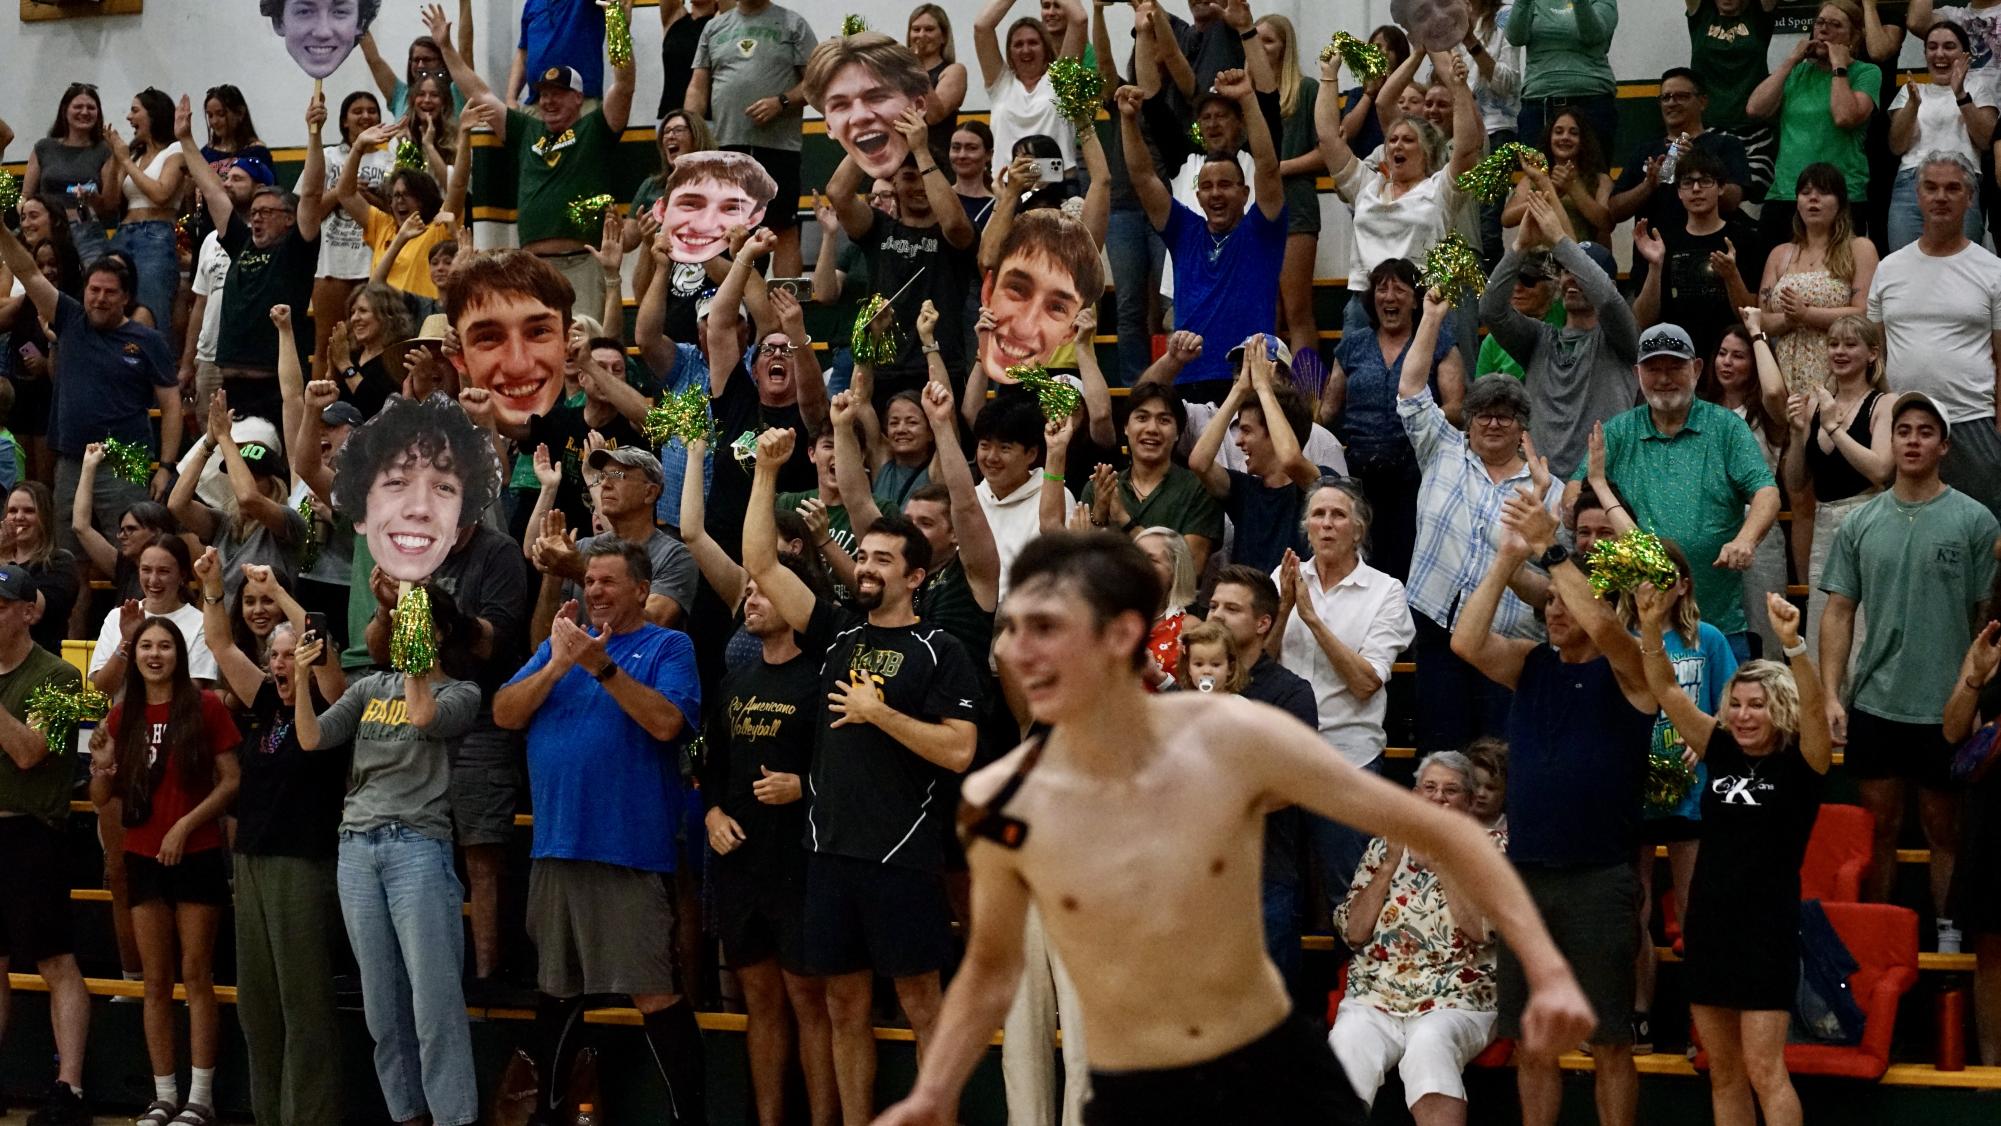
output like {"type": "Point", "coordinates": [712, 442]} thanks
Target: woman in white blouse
{"type": "Point", "coordinates": [1021, 101]}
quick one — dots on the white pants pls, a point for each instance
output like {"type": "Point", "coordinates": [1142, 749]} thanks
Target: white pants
{"type": "Point", "coordinates": [1828, 516]}
{"type": "Point", "coordinates": [1430, 1050]}
{"type": "Point", "coordinates": [1028, 1066]}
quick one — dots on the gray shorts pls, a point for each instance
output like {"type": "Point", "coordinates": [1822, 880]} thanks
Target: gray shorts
{"type": "Point", "coordinates": [486, 779]}
{"type": "Point", "coordinates": [1593, 914]}
{"type": "Point", "coordinates": [601, 928]}
{"type": "Point", "coordinates": [1973, 462]}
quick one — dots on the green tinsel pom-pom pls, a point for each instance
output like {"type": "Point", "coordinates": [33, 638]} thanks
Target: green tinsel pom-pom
{"type": "Point", "coordinates": [128, 461]}
{"type": "Point", "coordinates": [309, 554]}
{"type": "Point", "coordinates": [56, 713]}
{"type": "Point", "coordinates": [410, 157]}
{"type": "Point", "coordinates": [1079, 91]}
{"type": "Point", "coordinates": [1195, 137]}
{"type": "Point", "coordinates": [10, 190]}
{"type": "Point", "coordinates": [1668, 780]}
{"type": "Point", "coordinates": [684, 415]}
{"type": "Point", "coordinates": [1056, 397]}
{"type": "Point", "coordinates": [1366, 61]}
{"type": "Point", "coordinates": [1491, 179]}
{"type": "Point", "coordinates": [1453, 268]}
{"type": "Point", "coordinates": [618, 34]}
{"type": "Point", "coordinates": [874, 343]}
{"type": "Point", "coordinates": [413, 640]}
{"type": "Point", "coordinates": [587, 216]}
{"type": "Point", "coordinates": [1622, 564]}
{"type": "Point", "coordinates": [853, 24]}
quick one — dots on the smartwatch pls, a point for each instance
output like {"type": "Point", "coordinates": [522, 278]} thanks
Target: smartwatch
{"type": "Point", "coordinates": [1557, 553]}
{"type": "Point", "coordinates": [609, 670]}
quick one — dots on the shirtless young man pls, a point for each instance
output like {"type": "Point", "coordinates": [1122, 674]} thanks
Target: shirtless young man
{"type": "Point", "coordinates": [1135, 828]}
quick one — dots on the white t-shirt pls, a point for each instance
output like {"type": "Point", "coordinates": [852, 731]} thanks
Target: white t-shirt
{"type": "Point", "coordinates": [343, 254]}
{"type": "Point", "coordinates": [211, 270]}
{"type": "Point", "coordinates": [1940, 126]}
{"type": "Point", "coordinates": [1322, 447]}
{"type": "Point", "coordinates": [201, 663]}
{"type": "Point", "coordinates": [1016, 111]}
{"type": "Point", "coordinates": [1385, 228]}
{"type": "Point", "coordinates": [1938, 317]}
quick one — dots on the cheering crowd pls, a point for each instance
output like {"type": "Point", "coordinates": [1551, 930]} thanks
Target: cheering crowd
{"type": "Point", "coordinates": [718, 603]}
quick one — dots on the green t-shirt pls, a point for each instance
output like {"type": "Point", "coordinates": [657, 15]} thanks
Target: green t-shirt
{"type": "Point", "coordinates": [1730, 56]}
{"type": "Point", "coordinates": [1495, 358]}
{"type": "Point", "coordinates": [556, 171]}
{"type": "Point", "coordinates": [41, 792]}
{"type": "Point", "coordinates": [1566, 43]}
{"type": "Point", "coordinates": [1919, 572]}
{"type": "Point", "coordinates": [1691, 488]}
{"type": "Point", "coordinates": [1179, 502]}
{"type": "Point", "coordinates": [839, 528]}
{"type": "Point", "coordinates": [1807, 133]}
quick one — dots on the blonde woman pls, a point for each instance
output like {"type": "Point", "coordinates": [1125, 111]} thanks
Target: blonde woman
{"type": "Point", "coordinates": [929, 37]}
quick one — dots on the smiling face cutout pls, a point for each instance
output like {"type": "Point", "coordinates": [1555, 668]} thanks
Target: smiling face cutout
{"type": "Point", "coordinates": [319, 34]}
{"type": "Point", "coordinates": [1049, 272]}
{"type": "Point", "coordinates": [863, 84]}
{"type": "Point", "coordinates": [707, 194]}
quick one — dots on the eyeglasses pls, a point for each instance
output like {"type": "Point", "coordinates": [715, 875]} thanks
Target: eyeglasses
{"type": "Point", "coordinates": [1678, 96]}
{"type": "Point", "coordinates": [1695, 182]}
{"type": "Point", "coordinates": [269, 212]}
{"type": "Point", "coordinates": [613, 475]}
{"type": "Point", "coordinates": [1824, 24]}
{"type": "Point", "coordinates": [784, 349]}
{"type": "Point", "coordinates": [1496, 420]}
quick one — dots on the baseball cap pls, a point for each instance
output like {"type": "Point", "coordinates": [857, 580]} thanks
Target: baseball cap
{"type": "Point", "coordinates": [264, 460]}
{"type": "Point", "coordinates": [342, 413]}
{"type": "Point", "coordinates": [1602, 255]}
{"type": "Point", "coordinates": [1538, 266]}
{"type": "Point", "coordinates": [1920, 401]}
{"type": "Point", "coordinates": [16, 585]}
{"type": "Point", "coordinates": [255, 169]}
{"type": "Point", "coordinates": [563, 76]}
{"type": "Point", "coordinates": [1666, 340]}
{"type": "Point", "coordinates": [1274, 347]}
{"type": "Point", "coordinates": [632, 457]}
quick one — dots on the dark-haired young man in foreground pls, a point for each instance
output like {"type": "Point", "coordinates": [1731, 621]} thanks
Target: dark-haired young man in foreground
{"type": "Point", "coordinates": [1133, 827]}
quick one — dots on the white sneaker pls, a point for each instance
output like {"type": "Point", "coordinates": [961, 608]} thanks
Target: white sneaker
{"type": "Point", "coordinates": [1949, 937]}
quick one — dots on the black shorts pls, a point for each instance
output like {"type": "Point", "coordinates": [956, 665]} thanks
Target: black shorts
{"type": "Point", "coordinates": [200, 877]}
{"type": "Point", "coordinates": [34, 897]}
{"type": "Point", "coordinates": [1288, 1075]}
{"type": "Point", "coordinates": [1670, 830]}
{"type": "Point", "coordinates": [783, 165]}
{"type": "Point", "coordinates": [1884, 748]}
{"type": "Point", "coordinates": [760, 914]}
{"type": "Point", "coordinates": [1593, 915]}
{"type": "Point", "coordinates": [861, 915]}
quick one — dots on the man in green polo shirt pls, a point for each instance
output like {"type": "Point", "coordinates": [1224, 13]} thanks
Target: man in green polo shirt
{"type": "Point", "coordinates": [561, 154]}
{"type": "Point", "coordinates": [1153, 492]}
{"type": "Point", "coordinates": [1689, 468]}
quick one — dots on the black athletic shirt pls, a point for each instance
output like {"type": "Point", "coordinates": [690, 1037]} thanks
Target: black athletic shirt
{"type": "Point", "coordinates": [768, 717]}
{"type": "Point", "coordinates": [873, 798]}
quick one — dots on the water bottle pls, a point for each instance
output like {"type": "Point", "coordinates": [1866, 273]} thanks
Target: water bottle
{"type": "Point", "coordinates": [587, 1115]}
{"type": "Point", "coordinates": [1675, 149]}
{"type": "Point", "coordinates": [1951, 1029]}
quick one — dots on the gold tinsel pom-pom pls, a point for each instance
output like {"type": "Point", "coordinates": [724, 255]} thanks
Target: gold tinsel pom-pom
{"type": "Point", "coordinates": [309, 554]}
{"type": "Point", "coordinates": [1453, 268]}
{"type": "Point", "coordinates": [870, 342]}
{"type": "Point", "coordinates": [413, 640]}
{"type": "Point", "coordinates": [853, 24]}
{"type": "Point", "coordinates": [587, 216]}
{"type": "Point", "coordinates": [1057, 398]}
{"type": "Point", "coordinates": [128, 461]}
{"type": "Point", "coordinates": [1366, 61]}
{"type": "Point", "coordinates": [10, 190]}
{"type": "Point", "coordinates": [1621, 564]}
{"type": "Point", "coordinates": [618, 34]}
{"type": "Point", "coordinates": [1668, 780]}
{"type": "Point", "coordinates": [56, 713]}
{"type": "Point", "coordinates": [1079, 91]}
{"type": "Point", "coordinates": [684, 415]}
{"type": "Point", "coordinates": [410, 157]}
{"type": "Point", "coordinates": [1491, 179]}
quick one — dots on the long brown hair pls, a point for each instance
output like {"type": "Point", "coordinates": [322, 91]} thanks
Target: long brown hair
{"type": "Point", "coordinates": [37, 492]}
{"type": "Point", "coordinates": [184, 739]}
{"type": "Point", "coordinates": [1709, 386]}
{"type": "Point", "coordinates": [1828, 180]}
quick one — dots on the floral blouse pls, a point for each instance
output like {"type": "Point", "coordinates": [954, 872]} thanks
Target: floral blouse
{"type": "Point", "coordinates": [1417, 960]}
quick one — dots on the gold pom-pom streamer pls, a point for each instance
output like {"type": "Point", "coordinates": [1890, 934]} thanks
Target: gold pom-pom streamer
{"type": "Point", "coordinates": [1621, 564]}
{"type": "Point", "coordinates": [410, 157]}
{"type": "Point", "coordinates": [874, 340]}
{"type": "Point", "coordinates": [128, 461]}
{"type": "Point", "coordinates": [1056, 397]}
{"type": "Point", "coordinates": [587, 216]}
{"type": "Point", "coordinates": [1668, 780]}
{"type": "Point", "coordinates": [684, 415]}
{"type": "Point", "coordinates": [1195, 138]}
{"type": "Point", "coordinates": [413, 641]}
{"type": "Point", "coordinates": [1491, 179]}
{"type": "Point", "coordinates": [1366, 61]}
{"type": "Point", "coordinates": [56, 713]}
{"type": "Point", "coordinates": [309, 553]}
{"type": "Point", "coordinates": [1453, 268]}
{"type": "Point", "coordinates": [853, 24]}
{"type": "Point", "coordinates": [618, 34]}
{"type": "Point", "coordinates": [10, 190]}
{"type": "Point", "coordinates": [1080, 90]}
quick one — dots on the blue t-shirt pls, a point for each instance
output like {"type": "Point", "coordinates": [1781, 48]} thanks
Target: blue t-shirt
{"type": "Point", "coordinates": [1369, 419]}
{"type": "Point", "coordinates": [1702, 670]}
{"type": "Point", "coordinates": [1223, 290]}
{"type": "Point", "coordinates": [563, 33]}
{"type": "Point", "coordinates": [105, 381]}
{"type": "Point", "coordinates": [10, 461]}
{"type": "Point", "coordinates": [604, 789]}
{"type": "Point", "coordinates": [1267, 519]}
{"type": "Point", "coordinates": [689, 369]}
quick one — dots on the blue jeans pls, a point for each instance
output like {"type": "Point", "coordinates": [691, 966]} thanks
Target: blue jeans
{"type": "Point", "coordinates": [1906, 222]}
{"type": "Point", "coordinates": [401, 901]}
{"type": "Point", "coordinates": [1137, 256]}
{"type": "Point", "coordinates": [1338, 847]}
{"type": "Point", "coordinates": [150, 245]}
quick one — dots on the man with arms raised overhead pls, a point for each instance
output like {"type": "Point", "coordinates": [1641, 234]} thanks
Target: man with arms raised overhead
{"type": "Point", "coordinates": [1132, 825]}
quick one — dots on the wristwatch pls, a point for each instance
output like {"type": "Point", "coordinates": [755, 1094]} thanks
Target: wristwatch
{"type": "Point", "coordinates": [1557, 553]}
{"type": "Point", "coordinates": [609, 670]}
{"type": "Point", "coordinates": [1841, 72]}
{"type": "Point", "coordinates": [784, 102]}
{"type": "Point", "coordinates": [1248, 34]}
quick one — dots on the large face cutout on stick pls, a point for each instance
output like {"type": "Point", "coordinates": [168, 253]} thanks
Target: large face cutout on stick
{"type": "Point", "coordinates": [319, 34]}
{"type": "Point", "coordinates": [414, 477]}
{"type": "Point", "coordinates": [1434, 25]}
{"type": "Point", "coordinates": [1049, 272]}
{"type": "Point", "coordinates": [707, 194]}
{"type": "Point", "coordinates": [864, 84]}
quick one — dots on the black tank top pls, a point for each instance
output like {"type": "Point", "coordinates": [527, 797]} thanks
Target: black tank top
{"type": "Point", "coordinates": [941, 131]}
{"type": "Point", "coordinates": [1833, 477]}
